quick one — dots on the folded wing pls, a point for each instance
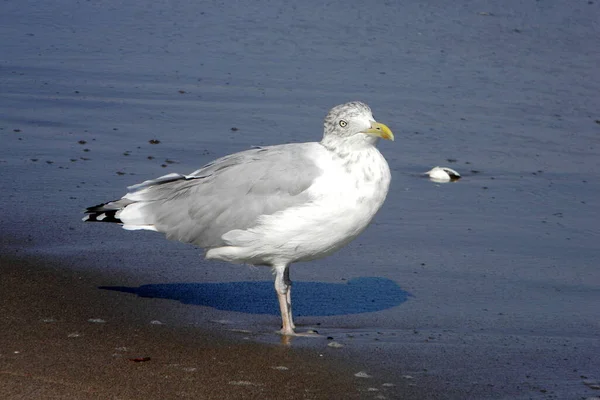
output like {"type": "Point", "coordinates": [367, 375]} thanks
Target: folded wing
{"type": "Point", "coordinates": [229, 193]}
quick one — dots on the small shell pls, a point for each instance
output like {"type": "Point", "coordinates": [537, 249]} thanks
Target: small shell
{"type": "Point", "coordinates": [442, 174]}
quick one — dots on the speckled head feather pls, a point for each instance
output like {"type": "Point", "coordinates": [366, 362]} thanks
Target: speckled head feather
{"type": "Point", "coordinates": [339, 121]}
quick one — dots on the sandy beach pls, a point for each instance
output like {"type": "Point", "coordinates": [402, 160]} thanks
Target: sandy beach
{"type": "Point", "coordinates": [63, 338]}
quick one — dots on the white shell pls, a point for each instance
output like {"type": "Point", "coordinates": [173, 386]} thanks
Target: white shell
{"type": "Point", "coordinates": [442, 174]}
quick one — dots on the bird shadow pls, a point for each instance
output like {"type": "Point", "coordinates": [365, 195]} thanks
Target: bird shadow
{"type": "Point", "coordinates": [358, 295]}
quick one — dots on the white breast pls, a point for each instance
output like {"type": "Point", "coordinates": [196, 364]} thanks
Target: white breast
{"type": "Point", "coordinates": [344, 200]}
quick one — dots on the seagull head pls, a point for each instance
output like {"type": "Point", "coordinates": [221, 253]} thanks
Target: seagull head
{"type": "Point", "coordinates": [354, 122]}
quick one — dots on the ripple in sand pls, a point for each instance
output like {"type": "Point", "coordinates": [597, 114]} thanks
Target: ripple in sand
{"type": "Point", "coordinates": [244, 383]}
{"type": "Point", "coordinates": [592, 384]}
{"type": "Point", "coordinates": [222, 321]}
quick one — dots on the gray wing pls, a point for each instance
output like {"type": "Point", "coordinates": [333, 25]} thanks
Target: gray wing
{"type": "Point", "coordinates": [229, 193]}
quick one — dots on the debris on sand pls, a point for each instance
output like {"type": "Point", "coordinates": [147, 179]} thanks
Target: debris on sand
{"type": "Point", "coordinates": [442, 174]}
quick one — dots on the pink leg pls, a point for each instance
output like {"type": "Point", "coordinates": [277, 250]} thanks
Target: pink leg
{"type": "Point", "coordinates": [283, 289]}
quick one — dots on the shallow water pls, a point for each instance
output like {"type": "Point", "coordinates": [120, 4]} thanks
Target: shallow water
{"type": "Point", "coordinates": [502, 262]}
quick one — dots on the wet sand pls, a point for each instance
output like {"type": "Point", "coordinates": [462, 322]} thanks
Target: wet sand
{"type": "Point", "coordinates": [63, 338]}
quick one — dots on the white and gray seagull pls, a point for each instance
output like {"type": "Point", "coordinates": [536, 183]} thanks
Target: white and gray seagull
{"type": "Point", "coordinates": [273, 205]}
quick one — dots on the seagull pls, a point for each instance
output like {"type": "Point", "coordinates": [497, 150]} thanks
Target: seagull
{"type": "Point", "coordinates": [270, 206]}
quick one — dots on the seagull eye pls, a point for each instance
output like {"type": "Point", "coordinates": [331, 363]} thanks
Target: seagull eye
{"type": "Point", "coordinates": [343, 123]}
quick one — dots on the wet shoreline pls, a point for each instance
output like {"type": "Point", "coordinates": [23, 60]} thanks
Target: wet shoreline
{"type": "Point", "coordinates": [69, 339]}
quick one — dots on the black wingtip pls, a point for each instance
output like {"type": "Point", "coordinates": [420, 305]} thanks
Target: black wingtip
{"type": "Point", "coordinates": [96, 208]}
{"type": "Point", "coordinates": [99, 213]}
{"type": "Point", "coordinates": [103, 216]}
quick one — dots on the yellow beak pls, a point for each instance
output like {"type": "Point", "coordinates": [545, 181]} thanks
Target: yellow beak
{"type": "Point", "coordinates": [381, 130]}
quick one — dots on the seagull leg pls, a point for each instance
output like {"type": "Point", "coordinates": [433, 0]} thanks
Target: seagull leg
{"type": "Point", "coordinates": [288, 282]}
{"type": "Point", "coordinates": [282, 287]}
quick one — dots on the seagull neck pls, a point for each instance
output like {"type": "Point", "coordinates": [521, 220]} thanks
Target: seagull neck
{"type": "Point", "coordinates": [343, 147]}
